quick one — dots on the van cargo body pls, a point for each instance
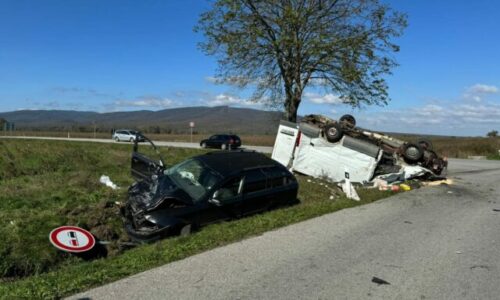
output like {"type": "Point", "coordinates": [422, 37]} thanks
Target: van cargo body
{"type": "Point", "coordinates": [307, 152]}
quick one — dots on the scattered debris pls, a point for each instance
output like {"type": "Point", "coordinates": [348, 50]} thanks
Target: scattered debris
{"type": "Point", "coordinates": [458, 252]}
{"type": "Point", "coordinates": [450, 192]}
{"type": "Point", "coordinates": [408, 222]}
{"type": "Point", "coordinates": [349, 189]}
{"type": "Point", "coordinates": [480, 267]}
{"type": "Point", "coordinates": [496, 209]}
{"type": "Point", "coordinates": [379, 281]}
{"type": "Point", "coordinates": [107, 181]}
{"type": "Point", "coordinates": [405, 187]}
{"type": "Point", "coordinates": [438, 182]}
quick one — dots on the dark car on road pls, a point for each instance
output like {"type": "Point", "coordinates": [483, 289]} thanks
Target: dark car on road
{"type": "Point", "coordinates": [201, 190]}
{"type": "Point", "coordinates": [222, 141]}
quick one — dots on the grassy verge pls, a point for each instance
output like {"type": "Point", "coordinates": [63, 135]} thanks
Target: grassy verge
{"type": "Point", "coordinates": [45, 184]}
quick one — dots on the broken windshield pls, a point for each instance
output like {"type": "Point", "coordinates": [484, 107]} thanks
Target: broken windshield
{"type": "Point", "coordinates": [193, 177]}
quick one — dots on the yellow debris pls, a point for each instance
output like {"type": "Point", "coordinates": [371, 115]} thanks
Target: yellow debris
{"type": "Point", "coordinates": [405, 187]}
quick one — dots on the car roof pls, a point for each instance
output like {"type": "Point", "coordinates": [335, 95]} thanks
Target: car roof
{"type": "Point", "coordinates": [228, 162]}
{"type": "Point", "coordinates": [225, 134]}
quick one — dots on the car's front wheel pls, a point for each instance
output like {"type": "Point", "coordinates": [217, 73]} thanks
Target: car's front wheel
{"type": "Point", "coordinates": [223, 147]}
{"type": "Point", "coordinates": [203, 145]}
{"type": "Point", "coordinates": [131, 140]}
{"type": "Point", "coordinates": [117, 139]}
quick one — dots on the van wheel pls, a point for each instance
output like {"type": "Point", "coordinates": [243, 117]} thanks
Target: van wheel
{"type": "Point", "coordinates": [412, 153]}
{"type": "Point", "coordinates": [333, 132]}
{"type": "Point", "coordinates": [348, 121]}
{"type": "Point", "coordinates": [203, 145]}
{"type": "Point", "coordinates": [426, 144]}
{"type": "Point", "coordinates": [223, 147]}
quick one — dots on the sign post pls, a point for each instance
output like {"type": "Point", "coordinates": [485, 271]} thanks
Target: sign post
{"type": "Point", "coordinates": [72, 239]}
{"type": "Point", "coordinates": [191, 126]}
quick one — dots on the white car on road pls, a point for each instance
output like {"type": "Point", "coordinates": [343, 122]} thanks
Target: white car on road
{"type": "Point", "coordinates": [127, 135]}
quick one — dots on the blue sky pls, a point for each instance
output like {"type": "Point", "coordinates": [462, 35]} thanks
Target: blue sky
{"type": "Point", "coordinates": [131, 55]}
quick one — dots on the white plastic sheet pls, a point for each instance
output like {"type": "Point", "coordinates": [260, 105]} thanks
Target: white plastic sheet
{"type": "Point", "coordinates": [107, 181]}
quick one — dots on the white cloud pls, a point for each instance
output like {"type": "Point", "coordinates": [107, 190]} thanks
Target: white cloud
{"type": "Point", "coordinates": [227, 99]}
{"type": "Point", "coordinates": [145, 102]}
{"type": "Point", "coordinates": [323, 99]}
{"type": "Point", "coordinates": [483, 89]}
{"type": "Point", "coordinates": [478, 91]}
{"type": "Point", "coordinates": [452, 118]}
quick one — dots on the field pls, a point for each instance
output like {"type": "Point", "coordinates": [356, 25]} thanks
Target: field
{"type": "Point", "coordinates": [454, 147]}
{"type": "Point", "coordinates": [46, 184]}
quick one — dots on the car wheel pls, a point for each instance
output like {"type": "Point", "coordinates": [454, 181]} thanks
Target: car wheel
{"type": "Point", "coordinates": [348, 121]}
{"type": "Point", "coordinates": [117, 139]}
{"type": "Point", "coordinates": [333, 132]}
{"type": "Point", "coordinates": [186, 230]}
{"type": "Point", "coordinates": [426, 144]}
{"type": "Point", "coordinates": [412, 153]}
{"type": "Point", "coordinates": [223, 147]}
{"type": "Point", "coordinates": [203, 145]}
{"type": "Point", "coordinates": [131, 140]}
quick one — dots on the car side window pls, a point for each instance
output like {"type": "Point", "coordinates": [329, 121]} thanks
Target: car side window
{"type": "Point", "coordinates": [277, 177]}
{"type": "Point", "coordinates": [231, 189]}
{"type": "Point", "coordinates": [255, 180]}
{"type": "Point", "coordinates": [213, 137]}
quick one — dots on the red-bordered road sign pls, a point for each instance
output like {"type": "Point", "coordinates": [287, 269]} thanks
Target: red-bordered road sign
{"type": "Point", "coordinates": [72, 239]}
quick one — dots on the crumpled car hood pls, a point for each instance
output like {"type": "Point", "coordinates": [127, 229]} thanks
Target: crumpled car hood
{"type": "Point", "coordinates": [148, 195]}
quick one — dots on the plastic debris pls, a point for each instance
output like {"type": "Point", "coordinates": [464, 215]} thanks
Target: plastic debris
{"type": "Point", "coordinates": [379, 281]}
{"type": "Point", "coordinates": [107, 181]}
{"type": "Point", "coordinates": [405, 187]}
{"type": "Point", "coordinates": [349, 189]}
{"type": "Point", "coordinates": [438, 182]}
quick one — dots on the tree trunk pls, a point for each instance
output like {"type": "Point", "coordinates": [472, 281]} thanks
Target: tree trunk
{"type": "Point", "coordinates": [291, 106]}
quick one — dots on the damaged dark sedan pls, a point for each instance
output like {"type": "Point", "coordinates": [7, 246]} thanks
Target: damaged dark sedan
{"type": "Point", "coordinates": [202, 190]}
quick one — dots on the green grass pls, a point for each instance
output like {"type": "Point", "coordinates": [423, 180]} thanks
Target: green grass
{"type": "Point", "coordinates": [45, 184]}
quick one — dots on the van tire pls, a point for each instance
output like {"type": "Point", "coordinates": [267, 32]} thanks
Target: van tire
{"type": "Point", "coordinates": [333, 132]}
{"type": "Point", "coordinates": [348, 121]}
{"type": "Point", "coordinates": [412, 153]}
{"type": "Point", "coordinates": [426, 144]}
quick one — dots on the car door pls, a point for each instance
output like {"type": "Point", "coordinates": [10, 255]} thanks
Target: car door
{"type": "Point", "coordinates": [224, 203]}
{"type": "Point", "coordinates": [142, 167]}
{"type": "Point", "coordinates": [256, 196]}
{"type": "Point", "coordinates": [118, 134]}
{"type": "Point", "coordinates": [212, 141]}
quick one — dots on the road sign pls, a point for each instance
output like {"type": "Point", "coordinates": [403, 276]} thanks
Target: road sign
{"type": "Point", "coordinates": [72, 239]}
{"type": "Point", "coordinates": [191, 124]}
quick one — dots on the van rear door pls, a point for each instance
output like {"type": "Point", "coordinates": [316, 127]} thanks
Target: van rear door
{"type": "Point", "coordinates": [286, 141]}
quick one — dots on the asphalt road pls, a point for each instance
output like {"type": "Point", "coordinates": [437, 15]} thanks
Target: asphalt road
{"type": "Point", "coordinates": [157, 143]}
{"type": "Point", "coordinates": [438, 242]}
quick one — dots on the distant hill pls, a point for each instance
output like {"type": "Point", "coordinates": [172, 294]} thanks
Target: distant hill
{"type": "Point", "coordinates": [176, 120]}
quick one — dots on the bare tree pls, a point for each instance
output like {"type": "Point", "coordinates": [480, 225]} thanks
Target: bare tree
{"type": "Point", "coordinates": [280, 47]}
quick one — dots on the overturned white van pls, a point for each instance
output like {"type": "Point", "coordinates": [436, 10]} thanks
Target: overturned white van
{"type": "Point", "coordinates": [322, 147]}
{"type": "Point", "coordinates": [301, 148]}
